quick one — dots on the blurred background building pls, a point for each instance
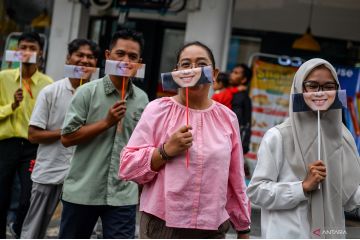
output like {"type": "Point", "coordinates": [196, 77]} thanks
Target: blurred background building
{"type": "Point", "coordinates": [273, 36]}
{"type": "Point", "coordinates": [235, 29]}
{"type": "Point", "coordinates": [280, 32]}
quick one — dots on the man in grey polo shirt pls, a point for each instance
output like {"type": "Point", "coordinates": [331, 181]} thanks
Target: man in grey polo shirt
{"type": "Point", "coordinates": [92, 188]}
{"type": "Point", "coordinates": [52, 162]}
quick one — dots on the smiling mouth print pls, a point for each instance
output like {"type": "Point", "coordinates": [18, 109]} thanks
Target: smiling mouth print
{"type": "Point", "coordinates": [78, 69]}
{"type": "Point", "coordinates": [187, 76]}
{"type": "Point", "coordinates": [319, 99]}
{"type": "Point", "coordinates": [319, 102]}
{"type": "Point", "coordinates": [124, 68]}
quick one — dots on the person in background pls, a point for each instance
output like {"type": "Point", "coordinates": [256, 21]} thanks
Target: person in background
{"type": "Point", "coordinates": [300, 195]}
{"type": "Point", "coordinates": [221, 82]}
{"type": "Point", "coordinates": [17, 152]}
{"type": "Point", "coordinates": [222, 93]}
{"type": "Point", "coordinates": [179, 201]}
{"type": "Point", "coordinates": [52, 161]}
{"type": "Point", "coordinates": [240, 78]}
{"type": "Point", "coordinates": [99, 125]}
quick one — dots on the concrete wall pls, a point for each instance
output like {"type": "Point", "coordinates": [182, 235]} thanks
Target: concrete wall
{"type": "Point", "coordinates": [331, 18]}
{"type": "Point", "coordinates": [69, 21]}
{"type": "Point", "coordinates": [338, 19]}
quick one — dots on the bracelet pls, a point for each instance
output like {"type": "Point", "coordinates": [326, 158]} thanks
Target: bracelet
{"type": "Point", "coordinates": [244, 231]}
{"type": "Point", "coordinates": [163, 154]}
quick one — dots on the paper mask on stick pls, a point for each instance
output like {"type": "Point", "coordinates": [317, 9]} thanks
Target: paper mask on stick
{"type": "Point", "coordinates": [20, 56]}
{"type": "Point", "coordinates": [319, 101]}
{"type": "Point", "coordinates": [81, 72]}
{"type": "Point", "coordinates": [186, 78]}
{"type": "Point", "coordinates": [125, 69]}
{"type": "Point", "coordinates": [322, 101]}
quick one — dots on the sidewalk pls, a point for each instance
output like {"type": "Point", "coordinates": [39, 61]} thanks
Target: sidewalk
{"type": "Point", "coordinates": [352, 227]}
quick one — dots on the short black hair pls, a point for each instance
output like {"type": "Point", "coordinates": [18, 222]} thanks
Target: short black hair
{"type": "Point", "coordinates": [31, 37]}
{"type": "Point", "coordinates": [128, 34]}
{"type": "Point", "coordinates": [247, 71]}
{"type": "Point", "coordinates": [223, 78]}
{"type": "Point", "coordinates": [197, 43]}
{"type": "Point", "coordinates": [75, 44]}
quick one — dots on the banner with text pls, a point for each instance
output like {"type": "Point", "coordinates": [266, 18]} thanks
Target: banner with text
{"type": "Point", "coordinates": [270, 94]}
{"type": "Point", "coordinates": [349, 79]}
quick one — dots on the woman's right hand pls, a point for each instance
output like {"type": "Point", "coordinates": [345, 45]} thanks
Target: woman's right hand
{"type": "Point", "coordinates": [316, 174]}
{"type": "Point", "coordinates": [179, 142]}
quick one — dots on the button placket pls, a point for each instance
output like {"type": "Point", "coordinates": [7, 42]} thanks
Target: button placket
{"type": "Point", "coordinates": [198, 164]}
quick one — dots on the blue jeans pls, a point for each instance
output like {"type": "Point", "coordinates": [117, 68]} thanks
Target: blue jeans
{"type": "Point", "coordinates": [78, 221]}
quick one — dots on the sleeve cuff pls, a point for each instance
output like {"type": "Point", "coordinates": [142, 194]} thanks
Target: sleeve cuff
{"type": "Point", "coordinates": [37, 124]}
{"type": "Point", "coordinates": [70, 129]}
{"type": "Point", "coordinates": [148, 162]}
{"type": "Point", "coordinates": [298, 192]}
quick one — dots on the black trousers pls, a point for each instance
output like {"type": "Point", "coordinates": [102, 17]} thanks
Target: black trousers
{"type": "Point", "coordinates": [15, 157]}
{"type": "Point", "coordinates": [78, 221]}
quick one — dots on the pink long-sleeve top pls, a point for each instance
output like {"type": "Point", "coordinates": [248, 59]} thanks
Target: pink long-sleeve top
{"type": "Point", "coordinates": [208, 192]}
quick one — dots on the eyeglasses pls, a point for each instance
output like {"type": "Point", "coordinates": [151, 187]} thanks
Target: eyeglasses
{"type": "Point", "coordinates": [188, 65]}
{"type": "Point", "coordinates": [313, 86]}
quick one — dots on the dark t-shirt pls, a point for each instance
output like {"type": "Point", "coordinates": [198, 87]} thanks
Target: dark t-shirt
{"type": "Point", "coordinates": [241, 105]}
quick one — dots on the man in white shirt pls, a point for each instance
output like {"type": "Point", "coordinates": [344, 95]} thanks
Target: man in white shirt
{"type": "Point", "coordinates": [52, 161]}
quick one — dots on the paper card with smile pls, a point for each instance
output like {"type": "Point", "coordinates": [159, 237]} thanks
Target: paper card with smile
{"type": "Point", "coordinates": [125, 69]}
{"type": "Point", "coordinates": [20, 56]}
{"type": "Point", "coordinates": [186, 78]}
{"type": "Point", "coordinates": [81, 72]}
{"type": "Point", "coordinates": [319, 101]}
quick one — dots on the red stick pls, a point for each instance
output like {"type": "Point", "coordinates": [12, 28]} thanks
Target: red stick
{"type": "Point", "coordinates": [187, 123]}
{"type": "Point", "coordinates": [123, 89]}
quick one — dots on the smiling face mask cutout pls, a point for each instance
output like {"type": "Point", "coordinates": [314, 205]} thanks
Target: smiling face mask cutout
{"type": "Point", "coordinates": [124, 69]}
{"type": "Point", "coordinates": [186, 78]}
{"type": "Point", "coordinates": [319, 100]}
{"type": "Point", "coordinates": [81, 72]}
{"type": "Point", "coordinates": [20, 56]}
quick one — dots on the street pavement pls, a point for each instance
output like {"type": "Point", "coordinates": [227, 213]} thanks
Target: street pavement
{"type": "Point", "coordinates": [353, 227]}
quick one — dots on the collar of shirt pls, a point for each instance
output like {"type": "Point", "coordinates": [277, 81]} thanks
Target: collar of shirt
{"type": "Point", "coordinates": [34, 78]}
{"type": "Point", "coordinates": [110, 88]}
{"type": "Point", "coordinates": [69, 86]}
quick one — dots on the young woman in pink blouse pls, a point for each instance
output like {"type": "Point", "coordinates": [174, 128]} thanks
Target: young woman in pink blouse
{"type": "Point", "coordinates": [201, 200]}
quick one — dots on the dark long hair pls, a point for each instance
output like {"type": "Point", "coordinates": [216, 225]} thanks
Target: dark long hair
{"type": "Point", "coordinates": [197, 43]}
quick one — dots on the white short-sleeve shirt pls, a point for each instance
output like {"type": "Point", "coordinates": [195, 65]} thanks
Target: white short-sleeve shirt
{"type": "Point", "coordinates": [53, 160]}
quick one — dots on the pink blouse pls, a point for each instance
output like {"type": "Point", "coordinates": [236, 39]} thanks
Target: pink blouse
{"type": "Point", "coordinates": [208, 192]}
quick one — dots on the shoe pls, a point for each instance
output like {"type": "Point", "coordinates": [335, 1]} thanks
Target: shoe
{"type": "Point", "coordinates": [12, 231]}
{"type": "Point", "coordinates": [353, 214]}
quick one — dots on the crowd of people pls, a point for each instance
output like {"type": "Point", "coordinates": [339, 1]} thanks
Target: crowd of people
{"type": "Point", "coordinates": [80, 142]}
